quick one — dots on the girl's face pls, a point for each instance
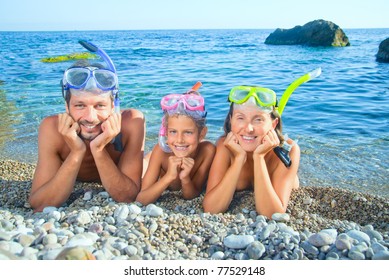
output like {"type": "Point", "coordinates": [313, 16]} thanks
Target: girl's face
{"type": "Point", "coordinates": [250, 126]}
{"type": "Point", "coordinates": [183, 136]}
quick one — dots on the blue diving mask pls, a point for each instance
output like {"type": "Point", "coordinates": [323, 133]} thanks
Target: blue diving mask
{"type": "Point", "coordinates": [88, 77]}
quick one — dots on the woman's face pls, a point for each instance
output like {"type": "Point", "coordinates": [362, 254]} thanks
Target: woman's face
{"type": "Point", "coordinates": [250, 125]}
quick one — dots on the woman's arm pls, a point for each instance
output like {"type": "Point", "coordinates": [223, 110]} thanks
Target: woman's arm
{"type": "Point", "coordinates": [272, 191]}
{"type": "Point", "coordinates": [224, 175]}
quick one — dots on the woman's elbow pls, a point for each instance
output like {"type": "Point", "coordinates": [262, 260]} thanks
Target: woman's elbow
{"type": "Point", "coordinates": [210, 207]}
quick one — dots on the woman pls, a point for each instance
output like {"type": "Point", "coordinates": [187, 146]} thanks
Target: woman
{"type": "Point", "coordinates": [245, 158]}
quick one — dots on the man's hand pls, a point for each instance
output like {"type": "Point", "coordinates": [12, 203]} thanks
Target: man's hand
{"type": "Point", "coordinates": [69, 129]}
{"type": "Point", "coordinates": [110, 127]}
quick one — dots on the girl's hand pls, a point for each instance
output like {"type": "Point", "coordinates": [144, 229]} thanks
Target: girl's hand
{"type": "Point", "coordinates": [70, 129]}
{"type": "Point", "coordinates": [186, 166]}
{"type": "Point", "coordinates": [232, 144]}
{"type": "Point", "coordinates": [269, 142]}
{"type": "Point", "coordinates": [174, 167]}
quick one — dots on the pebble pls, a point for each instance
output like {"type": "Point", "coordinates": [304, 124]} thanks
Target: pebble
{"type": "Point", "coordinates": [320, 223]}
{"type": "Point", "coordinates": [255, 250]}
{"type": "Point", "coordinates": [324, 237]}
{"type": "Point", "coordinates": [238, 241]}
{"type": "Point", "coordinates": [280, 217]}
{"type": "Point", "coordinates": [153, 210]}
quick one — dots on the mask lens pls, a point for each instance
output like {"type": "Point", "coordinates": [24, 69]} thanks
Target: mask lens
{"type": "Point", "coordinates": [266, 98]}
{"type": "Point", "coordinates": [77, 76]}
{"type": "Point", "coordinates": [106, 79]}
{"type": "Point", "coordinates": [193, 101]}
{"type": "Point", "coordinates": [169, 101]}
{"type": "Point", "coordinates": [239, 94]}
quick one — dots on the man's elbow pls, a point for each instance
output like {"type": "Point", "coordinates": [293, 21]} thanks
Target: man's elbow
{"type": "Point", "coordinates": [125, 197]}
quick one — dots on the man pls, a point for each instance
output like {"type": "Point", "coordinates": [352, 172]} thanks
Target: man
{"type": "Point", "coordinates": [93, 141]}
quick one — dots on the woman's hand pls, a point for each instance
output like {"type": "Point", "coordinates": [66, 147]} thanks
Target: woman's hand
{"type": "Point", "coordinates": [269, 142]}
{"type": "Point", "coordinates": [232, 144]}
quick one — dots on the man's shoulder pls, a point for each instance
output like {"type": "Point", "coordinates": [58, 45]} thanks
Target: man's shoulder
{"type": "Point", "coordinates": [133, 121]}
{"type": "Point", "coordinates": [130, 114]}
{"type": "Point", "coordinates": [50, 121]}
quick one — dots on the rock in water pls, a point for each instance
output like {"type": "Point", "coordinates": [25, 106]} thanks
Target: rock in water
{"type": "Point", "coordinates": [383, 51]}
{"type": "Point", "coordinates": [315, 33]}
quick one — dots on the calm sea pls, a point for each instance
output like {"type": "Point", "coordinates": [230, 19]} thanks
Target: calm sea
{"type": "Point", "coordinates": [340, 119]}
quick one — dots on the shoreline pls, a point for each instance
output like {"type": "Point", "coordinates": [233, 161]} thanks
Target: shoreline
{"type": "Point", "coordinates": [173, 228]}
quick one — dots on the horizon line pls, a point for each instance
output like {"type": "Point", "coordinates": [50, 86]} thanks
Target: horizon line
{"type": "Point", "coordinates": [170, 29]}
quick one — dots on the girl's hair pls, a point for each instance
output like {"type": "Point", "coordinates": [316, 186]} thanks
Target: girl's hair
{"type": "Point", "coordinates": [274, 115]}
{"type": "Point", "coordinates": [200, 122]}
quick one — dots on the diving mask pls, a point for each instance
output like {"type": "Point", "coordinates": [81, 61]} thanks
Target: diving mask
{"type": "Point", "coordinates": [265, 98]}
{"type": "Point", "coordinates": [190, 104]}
{"type": "Point", "coordinates": [80, 77]}
{"type": "Point", "coordinates": [77, 78]}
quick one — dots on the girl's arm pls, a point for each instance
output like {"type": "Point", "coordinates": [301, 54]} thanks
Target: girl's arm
{"type": "Point", "coordinates": [224, 175]}
{"type": "Point", "coordinates": [192, 185]}
{"type": "Point", "coordinates": [152, 185]}
{"type": "Point", "coordinates": [272, 192]}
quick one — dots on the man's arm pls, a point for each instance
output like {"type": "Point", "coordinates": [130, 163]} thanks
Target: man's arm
{"type": "Point", "coordinates": [53, 180]}
{"type": "Point", "coordinates": [122, 181]}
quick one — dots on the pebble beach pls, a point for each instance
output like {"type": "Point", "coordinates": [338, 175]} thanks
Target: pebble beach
{"type": "Point", "coordinates": [324, 223]}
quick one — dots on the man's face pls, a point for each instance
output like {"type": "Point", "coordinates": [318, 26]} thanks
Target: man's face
{"type": "Point", "coordinates": [90, 110]}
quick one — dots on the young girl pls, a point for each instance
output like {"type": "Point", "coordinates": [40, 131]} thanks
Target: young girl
{"type": "Point", "coordinates": [181, 160]}
{"type": "Point", "coordinates": [245, 158]}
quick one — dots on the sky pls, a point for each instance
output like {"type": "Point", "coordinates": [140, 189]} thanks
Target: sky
{"type": "Point", "coordinates": [52, 15]}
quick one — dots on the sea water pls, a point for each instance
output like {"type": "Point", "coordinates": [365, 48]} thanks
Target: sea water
{"type": "Point", "coordinates": [340, 119]}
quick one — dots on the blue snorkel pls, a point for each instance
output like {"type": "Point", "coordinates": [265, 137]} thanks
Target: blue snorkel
{"type": "Point", "coordinates": [95, 49]}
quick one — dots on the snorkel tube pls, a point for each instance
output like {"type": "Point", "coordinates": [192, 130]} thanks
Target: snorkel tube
{"type": "Point", "coordinates": [283, 151]}
{"type": "Point", "coordinates": [295, 84]}
{"type": "Point", "coordinates": [95, 49]}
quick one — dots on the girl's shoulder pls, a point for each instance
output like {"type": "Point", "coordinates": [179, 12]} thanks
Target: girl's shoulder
{"type": "Point", "coordinates": [206, 144]}
{"type": "Point", "coordinates": [220, 142]}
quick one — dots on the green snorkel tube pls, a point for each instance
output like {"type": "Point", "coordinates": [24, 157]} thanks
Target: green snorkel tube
{"type": "Point", "coordinates": [283, 152]}
{"type": "Point", "coordinates": [295, 84]}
